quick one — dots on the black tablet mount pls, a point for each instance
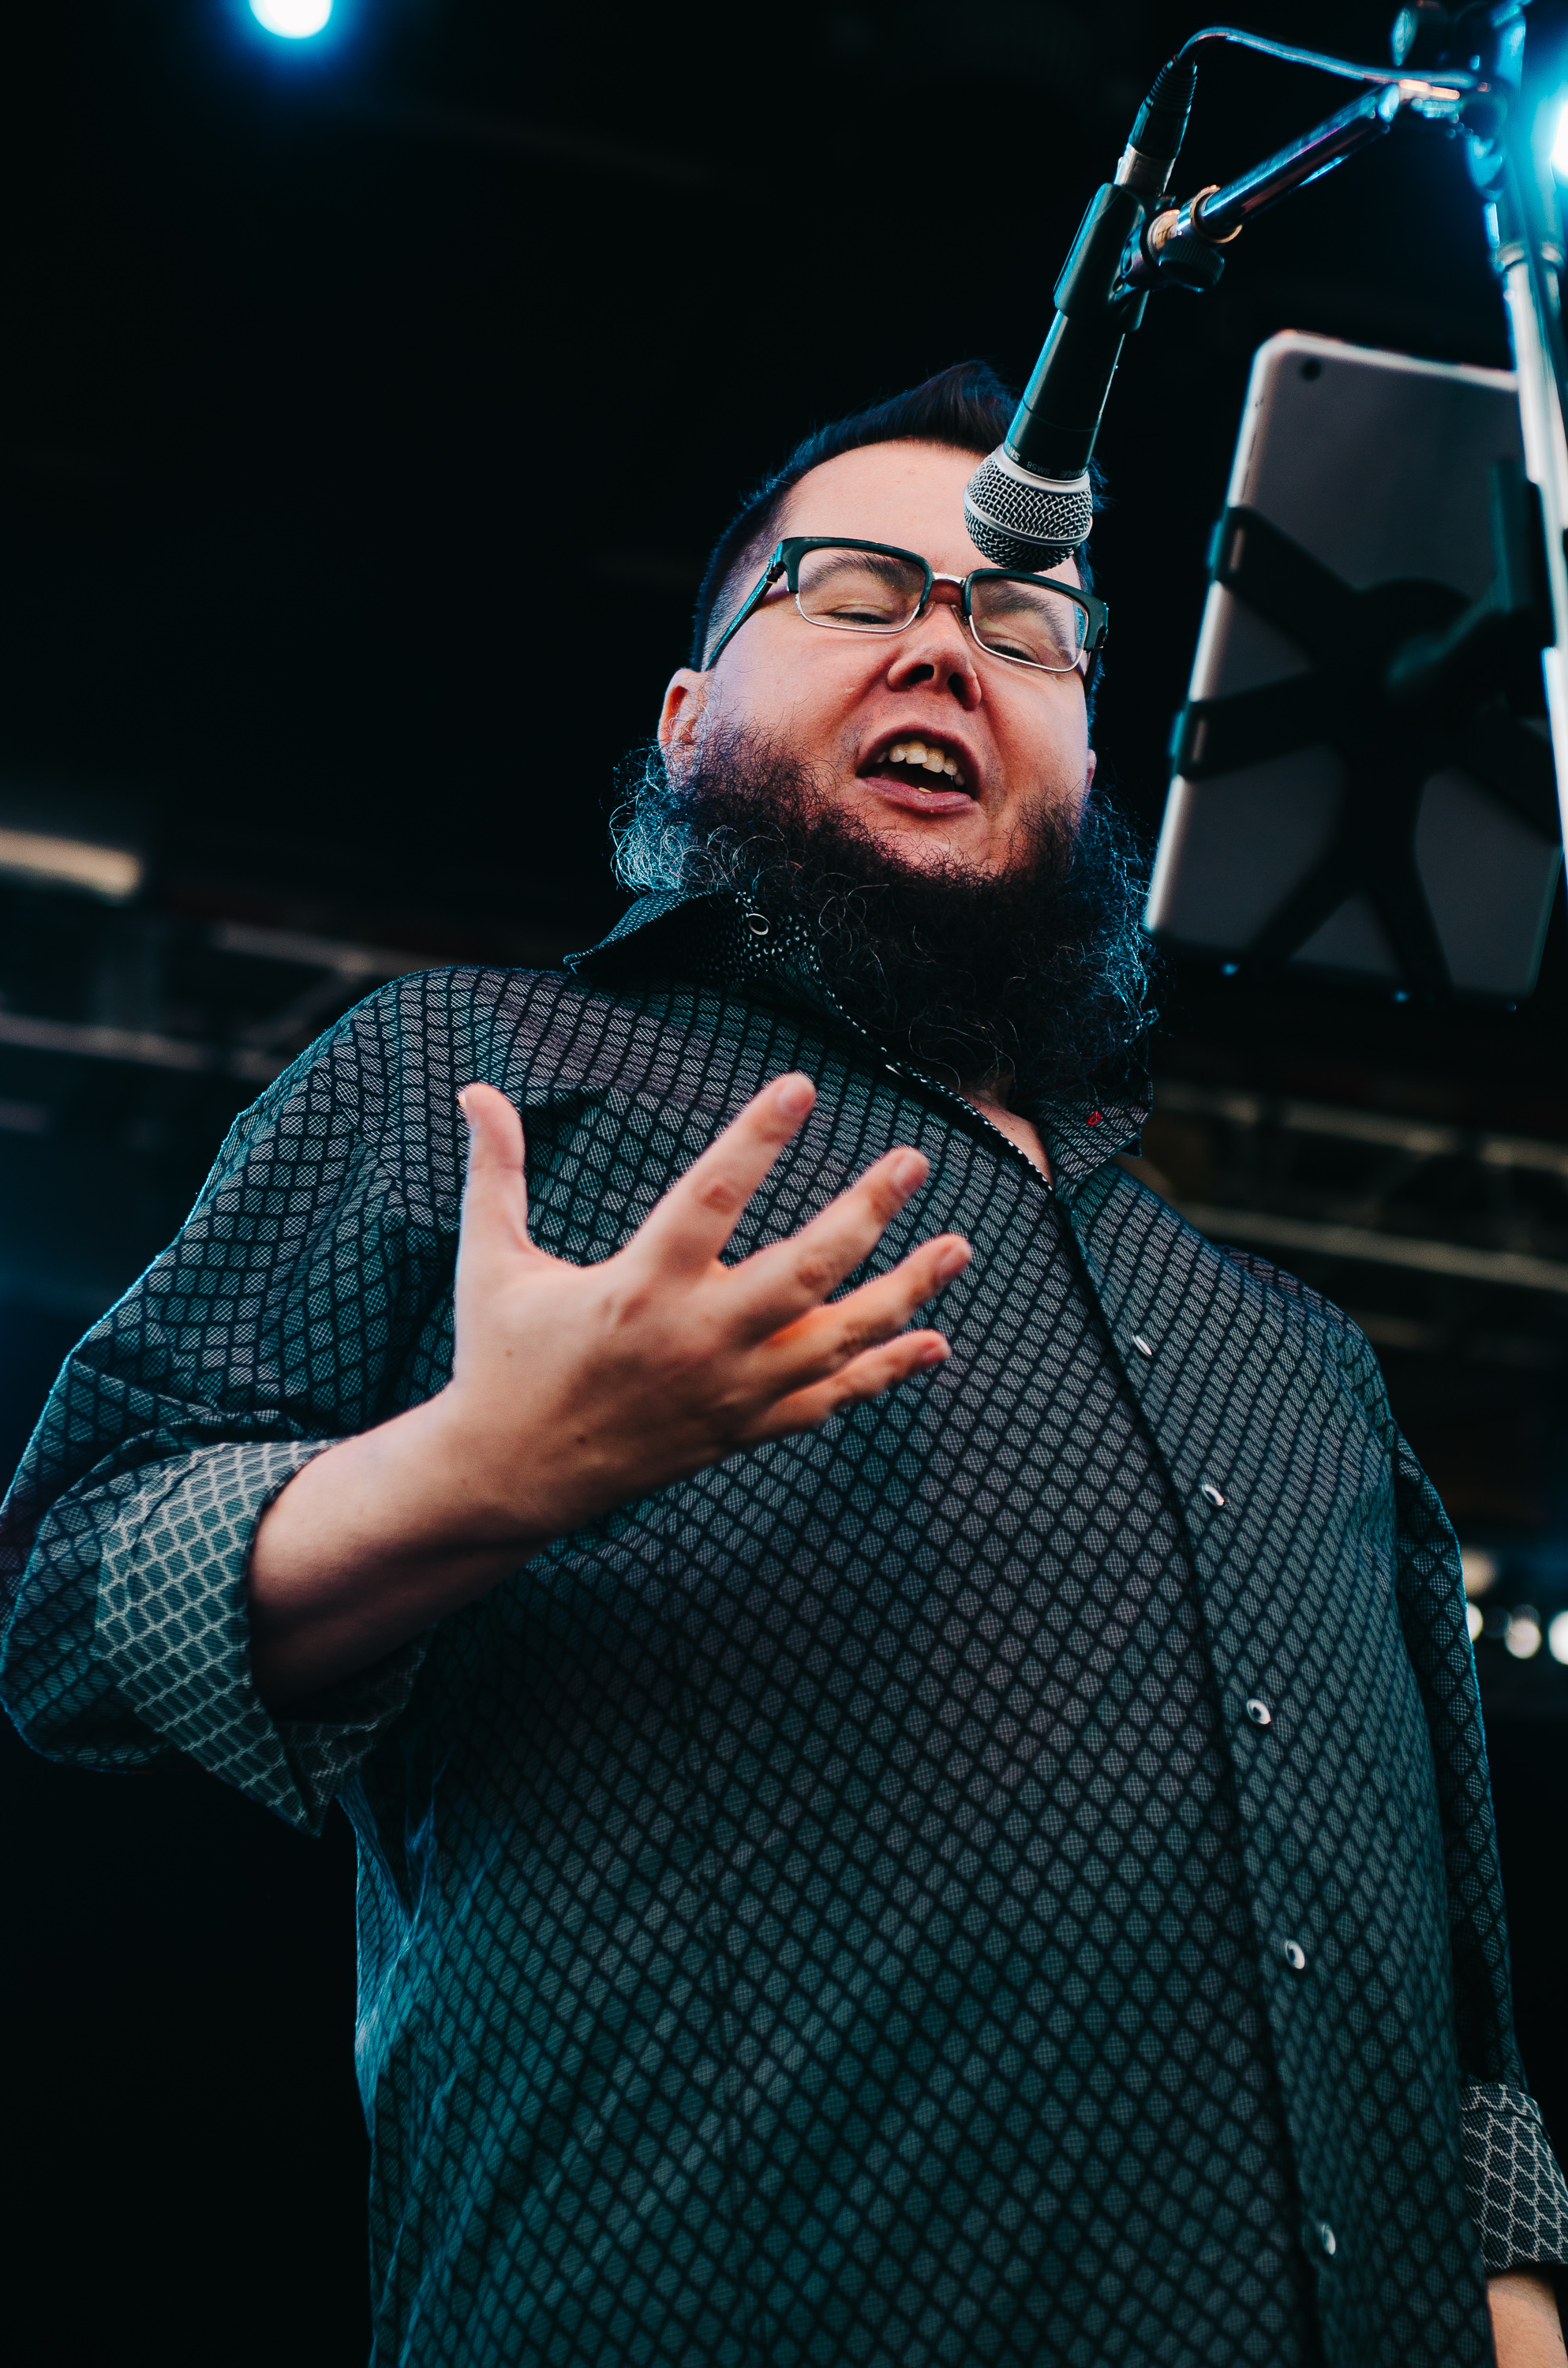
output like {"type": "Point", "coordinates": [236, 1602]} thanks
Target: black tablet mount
{"type": "Point", "coordinates": [1404, 678]}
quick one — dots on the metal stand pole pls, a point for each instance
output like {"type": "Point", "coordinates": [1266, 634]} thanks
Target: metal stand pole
{"type": "Point", "coordinates": [1526, 255]}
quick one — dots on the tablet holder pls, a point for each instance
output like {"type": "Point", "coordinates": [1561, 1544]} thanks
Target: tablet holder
{"type": "Point", "coordinates": [1405, 680]}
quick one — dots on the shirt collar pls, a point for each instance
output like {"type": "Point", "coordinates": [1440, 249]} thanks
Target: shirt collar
{"type": "Point", "coordinates": [718, 937]}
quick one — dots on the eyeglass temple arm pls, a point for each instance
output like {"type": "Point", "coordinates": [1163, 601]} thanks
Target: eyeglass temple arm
{"type": "Point", "coordinates": [753, 599]}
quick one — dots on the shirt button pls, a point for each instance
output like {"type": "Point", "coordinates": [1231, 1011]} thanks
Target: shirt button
{"type": "Point", "coordinates": [1144, 1348]}
{"type": "Point", "coordinates": [1259, 1713]}
{"type": "Point", "coordinates": [1295, 1956]}
{"type": "Point", "coordinates": [1327, 2239]}
{"type": "Point", "coordinates": [1215, 1495]}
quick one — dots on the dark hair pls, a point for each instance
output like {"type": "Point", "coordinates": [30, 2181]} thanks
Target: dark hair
{"type": "Point", "coordinates": [966, 407]}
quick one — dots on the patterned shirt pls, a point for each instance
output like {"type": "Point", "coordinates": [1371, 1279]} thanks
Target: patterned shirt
{"type": "Point", "coordinates": [1008, 1877]}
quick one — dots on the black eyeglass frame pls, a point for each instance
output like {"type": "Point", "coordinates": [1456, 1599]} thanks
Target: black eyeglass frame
{"type": "Point", "coordinates": [789, 553]}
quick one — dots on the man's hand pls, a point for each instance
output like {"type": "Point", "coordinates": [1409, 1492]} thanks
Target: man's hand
{"type": "Point", "coordinates": [575, 1389]}
{"type": "Point", "coordinates": [1525, 2330]}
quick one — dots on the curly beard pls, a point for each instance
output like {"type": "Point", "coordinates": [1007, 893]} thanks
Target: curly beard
{"type": "Point", "coordinates": [1021, 979]}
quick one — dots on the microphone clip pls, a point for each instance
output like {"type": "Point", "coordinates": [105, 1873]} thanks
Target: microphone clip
{"type": "Point", "coordinates": [1163, 253]}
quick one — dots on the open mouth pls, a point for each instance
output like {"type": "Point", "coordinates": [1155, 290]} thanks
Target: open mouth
{"type": "Point", "coordinates": [927, 772]}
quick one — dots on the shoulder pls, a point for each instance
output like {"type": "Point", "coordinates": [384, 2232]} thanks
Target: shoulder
{"type": "Point", "coordinates": [472, 1017]}
{"type": "Point", "coordinates": [388, 1065]}
{"type": "Point", "coordinates": [1143, 1245]}
{"type": "Point", "coordinates": [1342, 1334]}
{"type": "Point", "coordinates": [425, 1018]}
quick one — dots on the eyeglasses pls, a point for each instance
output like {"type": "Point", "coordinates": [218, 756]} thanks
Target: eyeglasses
{"type": "Point", "coordinates": [873, 587]}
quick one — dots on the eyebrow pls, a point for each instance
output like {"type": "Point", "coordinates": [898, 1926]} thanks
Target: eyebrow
{"type": "Point", "coordinates": [878, 562]}
{"type": "Point", "coordinates": [1012, 594]}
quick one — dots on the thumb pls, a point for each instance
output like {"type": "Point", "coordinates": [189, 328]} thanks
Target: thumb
{"type": "Point", "coordinates": [495, 1196]}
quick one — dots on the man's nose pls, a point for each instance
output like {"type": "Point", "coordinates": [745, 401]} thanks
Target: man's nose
{"type": "Point", "coordinates": [937, 649]}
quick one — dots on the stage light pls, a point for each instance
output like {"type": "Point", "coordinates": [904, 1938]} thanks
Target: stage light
{"type": "Point", "coordinates": [48, 860]}
{"type": "Point", "coordinates": [1524, 1634]}
{"type": "Point", "coordinates": [1560, 145]}
{"type": "Point", "coordinates": [1480, 1569]}
{"type": "Point", "coordinates": [1557, 1637]}
{"type": "Point", "coordinates": [292, 20]}
{"type": "Point", "coordinates": [1475, 1619]}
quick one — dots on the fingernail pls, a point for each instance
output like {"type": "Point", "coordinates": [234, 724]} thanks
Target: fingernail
{"type": "Point", "coordinates": [952, 1261]}
{"type": "Point", "coordinates": [909, 1170]}
{"type": "Point", "coordinates": [937, 1354]}
{"type": "Point", "coordinates": [794, 1096]}
{"type": "Point", "coordinates": [462, 1105]}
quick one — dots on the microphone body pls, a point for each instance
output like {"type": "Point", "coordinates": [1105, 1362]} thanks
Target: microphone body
{"type": "Point", "coordinates": [1030, 504]}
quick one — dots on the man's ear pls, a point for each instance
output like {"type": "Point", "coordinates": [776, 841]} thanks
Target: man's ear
{"type": "Point", "coordinates": [1091, 758]}
{"type": "Point", "coordinates": [682, 710]}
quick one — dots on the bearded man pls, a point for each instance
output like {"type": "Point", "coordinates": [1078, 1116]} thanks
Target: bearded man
{"type": "Point", "coordinates": [879, 1845]}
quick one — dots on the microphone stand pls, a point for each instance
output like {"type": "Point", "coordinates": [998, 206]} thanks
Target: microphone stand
{"type": "Point", "coordinates": [1527, 254]}
{"type": "Point", "coordinates": [1526, 243]}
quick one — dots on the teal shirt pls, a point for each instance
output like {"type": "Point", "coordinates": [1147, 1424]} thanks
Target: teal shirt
{"type": "Point", "coordinates": [845, 1908]}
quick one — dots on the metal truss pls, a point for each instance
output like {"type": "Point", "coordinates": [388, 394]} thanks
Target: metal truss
{"type": "Point", "coordinates": [1440, 1236]}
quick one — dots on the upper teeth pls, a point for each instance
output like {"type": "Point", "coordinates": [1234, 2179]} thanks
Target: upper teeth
{"type": "Point", "coordinates": [918, 752]}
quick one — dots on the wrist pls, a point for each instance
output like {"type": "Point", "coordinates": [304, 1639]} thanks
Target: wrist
{"type": "Point", "coordinates": [476, 1496]}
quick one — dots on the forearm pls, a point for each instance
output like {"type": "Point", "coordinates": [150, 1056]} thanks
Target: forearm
{"type": "Point", "coordinates": [1525, 2330]}
{"type": "Point", "coordinates": [370, 1545]}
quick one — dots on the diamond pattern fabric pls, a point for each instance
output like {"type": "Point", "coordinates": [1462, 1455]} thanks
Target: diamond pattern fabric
{"type": "Point", "coordinates": [1007, 1878]}
{"type": "Point", "coordinates": [1519, 2205]}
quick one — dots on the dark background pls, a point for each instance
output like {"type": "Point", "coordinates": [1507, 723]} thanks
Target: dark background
{"type": "Point", "coordinates": [367, 408]}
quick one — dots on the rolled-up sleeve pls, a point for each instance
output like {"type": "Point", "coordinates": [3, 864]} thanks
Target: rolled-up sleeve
{"type": "Point", "coordinates": [1518, 2198]}
{"type": "Point", "coordinates": [172, 1635]}
{"type": "Point", "coordinates": [278, 1322]}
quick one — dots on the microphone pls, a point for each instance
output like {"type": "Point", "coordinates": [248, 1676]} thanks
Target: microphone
{"type": "Point", "coordinates": [1030, 505]}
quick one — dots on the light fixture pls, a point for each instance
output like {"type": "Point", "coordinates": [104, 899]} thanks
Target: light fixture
{"type": "Point", "coordinates": [1557, 1637]}
{"type": "Point", "coordinates": [1560, 145]}
{"type": "Point", "coordinates": [49, 859]}
{"type": "Point", "coordinates": [292, 20]}
{"type": "Point", "coordinates": [1475, 1619]}
{"type": "Point", "coordinates": [1523, 1638]}
{"type": "Point", "coordinates": [1480, 1569]}
{"type": "Point", "coordinates": [57, 834]}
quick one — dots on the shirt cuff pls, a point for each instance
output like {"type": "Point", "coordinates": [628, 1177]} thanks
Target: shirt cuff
{"type": "Point", "coordinates": [1518, 2198]}
{"type": "Point", "coordinates": [172, 1629]}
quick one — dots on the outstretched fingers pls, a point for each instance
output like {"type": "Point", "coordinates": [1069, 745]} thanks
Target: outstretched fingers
{"type": "Point", "coordinates": [776, 1285]}
{"type": "Point", "coordinates": [825, 1340]}
{"type": "Point", "coordinates": [866, 1376]}
{"type": "Point", "coordinates": [693, 1223]}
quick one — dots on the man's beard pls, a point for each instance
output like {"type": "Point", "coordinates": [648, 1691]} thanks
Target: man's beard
{"type": "Point", "coordinates": [1023, 979]}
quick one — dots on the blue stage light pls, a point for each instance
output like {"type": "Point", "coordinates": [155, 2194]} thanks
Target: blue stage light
{"type": "Point", "coordinates": [292, 20]}
{"type": "Point", "coordinates": [1560, 145]}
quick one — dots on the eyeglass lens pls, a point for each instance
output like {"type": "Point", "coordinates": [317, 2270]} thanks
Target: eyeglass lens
{"type": "Point", "coordinates": [876, 592]}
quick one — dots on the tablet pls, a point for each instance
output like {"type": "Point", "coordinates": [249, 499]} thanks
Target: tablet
{"type": "Point", "coordinates": [1308, 828]}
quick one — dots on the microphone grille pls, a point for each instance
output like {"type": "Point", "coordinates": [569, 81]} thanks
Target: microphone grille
{"type": "Point", "coordinates": [1019, 520]}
